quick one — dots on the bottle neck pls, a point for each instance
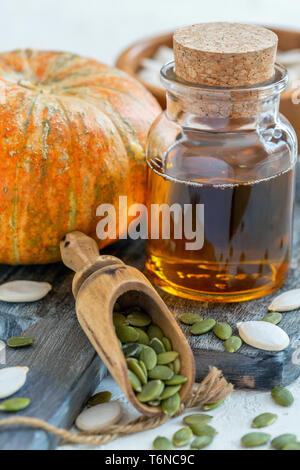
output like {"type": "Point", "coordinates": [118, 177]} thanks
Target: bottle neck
{"type": "Point", "coordinates": [223, 114]}
{"type": "Point", "coordinates": [223, 109]}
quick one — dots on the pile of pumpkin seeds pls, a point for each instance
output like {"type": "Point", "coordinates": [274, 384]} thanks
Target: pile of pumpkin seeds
{"type": "Point", "coordinates": [153, 367]}
{"type": "Point", "coordinates": [222, 330]}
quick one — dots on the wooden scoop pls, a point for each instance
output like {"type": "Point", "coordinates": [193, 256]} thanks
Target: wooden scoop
{"type": "Point", "coordinates": [99, 282]}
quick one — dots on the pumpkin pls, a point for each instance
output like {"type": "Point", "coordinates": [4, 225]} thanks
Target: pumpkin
{"type": "Point", "coordinates": [72, 136]}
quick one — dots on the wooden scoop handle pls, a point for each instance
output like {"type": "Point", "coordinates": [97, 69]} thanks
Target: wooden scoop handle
{"type": "Point", "coordinates": [78, 251]}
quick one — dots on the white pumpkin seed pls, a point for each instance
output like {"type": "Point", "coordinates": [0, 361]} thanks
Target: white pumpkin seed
{"type": "Point", "coordinates": [285, 302]}
{"type": "Point", "coordinates": [263, 335]}
{"type": "Point", "coordinates": [11, 380]}
{"type": "Point", "coordinates": [24, 291]}
{"type": "Point", "coordinates": [99, 417]}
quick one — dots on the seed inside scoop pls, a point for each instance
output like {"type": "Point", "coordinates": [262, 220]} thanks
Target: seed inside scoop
{"type": "Point", "coordinates": [153, 367]}
{"type": "Point", "coordinates": [24, 291]}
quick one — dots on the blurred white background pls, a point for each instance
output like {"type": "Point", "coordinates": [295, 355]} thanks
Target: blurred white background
{"type": "Point", "coordinates": [102, 28]}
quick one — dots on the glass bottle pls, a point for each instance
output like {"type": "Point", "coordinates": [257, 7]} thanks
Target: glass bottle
{"type": "Point", "coordinates": [226, 157]}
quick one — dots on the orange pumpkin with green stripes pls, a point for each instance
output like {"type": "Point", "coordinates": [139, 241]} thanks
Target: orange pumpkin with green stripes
{"type": "Point", "coordinates": [72, 136]}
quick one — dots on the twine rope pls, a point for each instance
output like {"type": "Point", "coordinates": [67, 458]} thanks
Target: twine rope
{"type": "Point", "coordinates": [212, 389]}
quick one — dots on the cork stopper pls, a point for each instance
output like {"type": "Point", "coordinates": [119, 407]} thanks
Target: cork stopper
{"type": "Point", "coordinates": [225, 54]}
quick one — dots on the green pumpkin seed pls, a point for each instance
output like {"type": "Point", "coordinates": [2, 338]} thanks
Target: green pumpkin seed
{"type": "Point", "coordinates": [223, 330]}
{"type": "Point", "coordinates": [204, 326]}
{"type": "Point", "coordinates": [150, 391]}
{"type": "Point", "coordinates": [161, 373]}
{"type": "Point", "coordinates": [162, 443]}
{"type": "Point", "coordinates": [143, 337]}
{"type": "Point", "coordinates": [255, 439]}
{"type": "Point", "coordinates": [98, 399]}
{"type": "Point", "coordinates": [189, 318]}
{"type": "Point", "coordinates": [132, 349]}
{"type": "Point", "coordinates": [171, 405]}
{"type": "Point", "coordinates": [203, 429]}
{"type": "Point", "coordinates": [176, 379]}
{"type": "Point", "coordinates": [201, 442]}
{"type": "Point", "coordinates": [14, 404]}
{"type": "Point", "coordinates": [280, 441]}
{"type": "Point", "coordinates": [126, 334]}
{"type": "Point", "coordinates": [157, 345]}
{"type": "Point", "coordinates": [19, 341]}
{"type": "Point", "coordinates": [161, 391]}
{"type": "Point", "coordinates": [197, 418]}
{"type": "Point", "coordinates": [119, 319]}
{"type": "Point", "coordinates": [273, 317]}
{"type": "Point", "coordinates": [117, 307]}
{"type": "Point", "coordinates": [282, 396]}
{"type": "Point", "coordinates": [166, 357]}
{"type": "Point", "coordinates": [167, 343]}
{"type": "Point", "coordinates": [212, 406]}
{"type": "Point", "coordinates": [169, 391]}
{"type": "Point", "coordinates": [233, 344]}
{"type": "Point", "coordinates": [139, 319]}
{"type": "Point", "coordinates": [263, 420]}
{"type": "Point", "coordinates": [134, 381]}
{"type": "Point", "coordinates": [131, 360]}
{"type": "Point", "coordinates": [135, 367]}
{"type": "Point", "coordinates": [176, 365]}
{"type": "Point", "coordinates": [182, 437]}
{"type": "Point", "coordinates": [149, 357]}
{"type": "Point", "coordinates": [153, 403]}
{"type": "Point", "coordinates": [155, 332]}
{"type": "Point", "coordinates": [144, 368]}
{"type": "Point", "coordinates": [292, 446]}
